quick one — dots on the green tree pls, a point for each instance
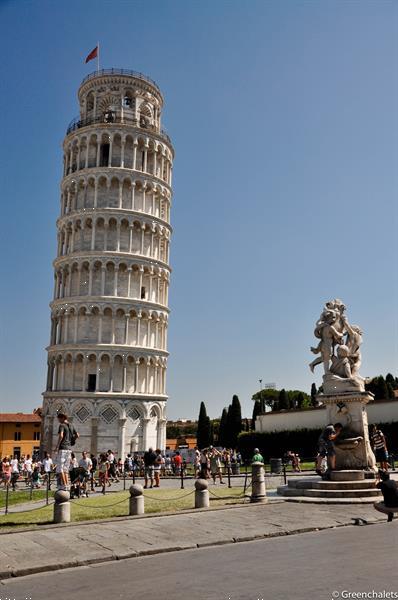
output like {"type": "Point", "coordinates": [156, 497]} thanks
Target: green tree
{"type": "Point", "coordinates": [210, 426]}
{"type": "Point", "coordinates": [390, 379]}
{"type": "Point", "coordinates": [267, 397]}
{"type": "Point", "coordinates": [204, 428]}
{"type": "Point", "coordinates": [222, 436]}
{"type": "Point", "coordinates": [283, 401]}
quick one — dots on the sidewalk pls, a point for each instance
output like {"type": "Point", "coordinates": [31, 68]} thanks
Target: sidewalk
{"type": "Point", "coordinates": [53, 547]}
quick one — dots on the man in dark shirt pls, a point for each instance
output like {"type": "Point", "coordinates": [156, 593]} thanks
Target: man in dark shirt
{"type": "Point", "coordinates": [149, 462]}
{"type": "Point", "coordinates": [389, 489]}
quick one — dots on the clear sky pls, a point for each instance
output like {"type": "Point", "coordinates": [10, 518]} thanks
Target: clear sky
{"type": "Point", "coordinates": [283, 116]}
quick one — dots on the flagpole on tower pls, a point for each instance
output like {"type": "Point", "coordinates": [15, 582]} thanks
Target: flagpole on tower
{"type": "Point", "coordinates": [98, 57]}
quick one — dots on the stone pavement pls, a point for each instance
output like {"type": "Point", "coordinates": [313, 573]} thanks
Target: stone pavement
{"type": "Point", "coordinates": [53, 547]}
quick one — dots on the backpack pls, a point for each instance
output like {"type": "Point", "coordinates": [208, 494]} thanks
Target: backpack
{"type": "Point", "coordinates": [72, 434]}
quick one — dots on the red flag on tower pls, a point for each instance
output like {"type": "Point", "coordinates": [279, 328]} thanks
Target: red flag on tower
{"type": "Point", "coordinates": [93, 54]}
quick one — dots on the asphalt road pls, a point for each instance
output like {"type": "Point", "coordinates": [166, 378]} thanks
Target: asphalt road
{"type": "Point", "coordinates": [299, 567]}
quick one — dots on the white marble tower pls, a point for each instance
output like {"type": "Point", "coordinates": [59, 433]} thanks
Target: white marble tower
{"type": "Point", "coordinates": [107, 356]}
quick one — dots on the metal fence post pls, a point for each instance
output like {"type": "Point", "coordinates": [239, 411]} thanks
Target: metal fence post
{"type": "Point", "coordinates": [182, 477]}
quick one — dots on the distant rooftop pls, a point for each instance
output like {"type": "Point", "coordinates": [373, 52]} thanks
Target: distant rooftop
{"type": "Point", "coordinates": [19, 418]}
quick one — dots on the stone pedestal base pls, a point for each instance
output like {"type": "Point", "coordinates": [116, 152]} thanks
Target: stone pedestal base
{"type": "Point", "coordinates": [353, 450]}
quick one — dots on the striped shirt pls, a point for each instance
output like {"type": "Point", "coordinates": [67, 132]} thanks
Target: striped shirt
{"type": "Point", "coordinates": [378, 440]}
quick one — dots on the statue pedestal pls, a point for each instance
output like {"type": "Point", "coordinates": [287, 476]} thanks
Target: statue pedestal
{"type": "Point", "coordinates": [353, 450]}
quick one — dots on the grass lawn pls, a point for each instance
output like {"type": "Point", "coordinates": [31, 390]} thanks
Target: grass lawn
{"type": "Point", "coordinates": [20, 497]}
{"type": "Point", "coordinates": [116, 504]}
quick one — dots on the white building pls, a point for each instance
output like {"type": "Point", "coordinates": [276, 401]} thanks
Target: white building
{"type": "Point", "coordinates": [107, 356]}
{"type": "Point", "coordinates": [315, 418]}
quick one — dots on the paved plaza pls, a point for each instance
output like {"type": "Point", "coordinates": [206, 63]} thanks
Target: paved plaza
{"type": "Point", "coordinates": [318, 565]}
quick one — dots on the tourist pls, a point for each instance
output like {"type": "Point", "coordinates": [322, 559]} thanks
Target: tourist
{"type": "Point", "coordinates": [326, 447]}
{"type": "Point", "coordinates": [28, 468]}
{"type": "Point", "coordinates": [47, 469]}
{"type": "Point", "coordinates": [215, 464]}
{"type": "Point", "coordinates": [128, 465]}
{"type": "Point", "coordinates": [204, 464]}
{"type": "Point", "coordinates": [379, 446]}
{"type": "Point", "coordinates": [159, 460]}
{"type": "Point", "coordinates": [103, 468]}
{"type": "Point", "coordinates": [66, 439]}
{"type": "Point", "coordinates": [177, 463]}
{"type": "Point", "coordinates": [94, 463]}
{"type": "Point", "coordinates": [14, 472]}
{"type": "Point", "coordinates": [112, 466]}
{"type": "Point", "coordinates": [6, 472]}
{"type": "Point", "coordinates": [149, 462]}
{"type": "Point", "coordinates": [36, 477]}
{"type": "Point", "coordinates": [257, 457]}
{"type": "Point", "coordinates": [296, 463]}
{"type": "Point", "coordinates": [389, 489]}
{"type": "Point", "coordinates": [85, 467]}
{"type": "Point", "coordinates": [196, 462]}
{"type": "Point", "coordinates": [167, 465]}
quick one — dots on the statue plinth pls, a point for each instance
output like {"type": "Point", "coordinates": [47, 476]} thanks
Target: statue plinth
{"type": "Point", "coordinates": [353, 450]}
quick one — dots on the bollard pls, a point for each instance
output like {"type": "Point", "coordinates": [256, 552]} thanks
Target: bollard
{"type": "Point", "coordinates": [201, 494]}
{"type": "Point", "coordinates": [258, 483]}
{"type": "Point", "coordinates": [136, 505]}
{"type": "Point", "coordinates": [229, 476]}
{"type": "Point", "coordinates": [61, 507]}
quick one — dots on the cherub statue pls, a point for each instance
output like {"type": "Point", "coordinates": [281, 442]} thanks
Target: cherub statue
{"type": "Point", "coordinates": [326, 330]}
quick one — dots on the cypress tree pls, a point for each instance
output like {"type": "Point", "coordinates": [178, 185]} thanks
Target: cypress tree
{"type": "Point", "coordinates": [235, 421]}
{"type": "Point", "coordinates": [300, 400]}
{"type": "Point", "coordinates": [283, 400]}
{"type": "Point", "coordinates": [203, 435]}
{"type": "Point", "coordinates": [222, 441]}
{"type": "Point", "coordinates": [256, 412]}
{"type": "Point", "coordinates": [313, 395]}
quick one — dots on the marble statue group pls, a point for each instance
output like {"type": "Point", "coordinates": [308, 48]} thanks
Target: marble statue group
{"type": "Point", "coordinates": [339, 349]}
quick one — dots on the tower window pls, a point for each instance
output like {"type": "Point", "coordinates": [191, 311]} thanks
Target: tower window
{"type": "Point", "coordinates": [104, 158]}
{"type": "Point", "coordinates": [143, 293]}
{"type": "Point", "coordinates": [91, 384]}
{"type": "Point", "coordinates": [127, 101]}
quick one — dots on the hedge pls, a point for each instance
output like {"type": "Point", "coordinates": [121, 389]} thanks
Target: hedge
{"type": "Point", "coordinates": [303, 441]}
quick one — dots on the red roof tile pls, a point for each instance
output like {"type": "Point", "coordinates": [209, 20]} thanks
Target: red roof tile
{"type": "Point", "coordinates": [19, 418]}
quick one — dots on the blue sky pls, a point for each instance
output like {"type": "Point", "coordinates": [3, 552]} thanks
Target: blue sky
{"type": "Point", "coordinates": [283, 116]}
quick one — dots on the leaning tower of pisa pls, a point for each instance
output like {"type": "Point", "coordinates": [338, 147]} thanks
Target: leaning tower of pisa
{"type": "Point", "coordinates": [107, 356]}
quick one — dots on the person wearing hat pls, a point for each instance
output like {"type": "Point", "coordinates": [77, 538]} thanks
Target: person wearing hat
{"type": "Point", "coordinates": [257, 456]}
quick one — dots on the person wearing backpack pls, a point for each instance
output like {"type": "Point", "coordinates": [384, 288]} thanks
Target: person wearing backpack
{"type": "Point", "coordinates": [67, 436]}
